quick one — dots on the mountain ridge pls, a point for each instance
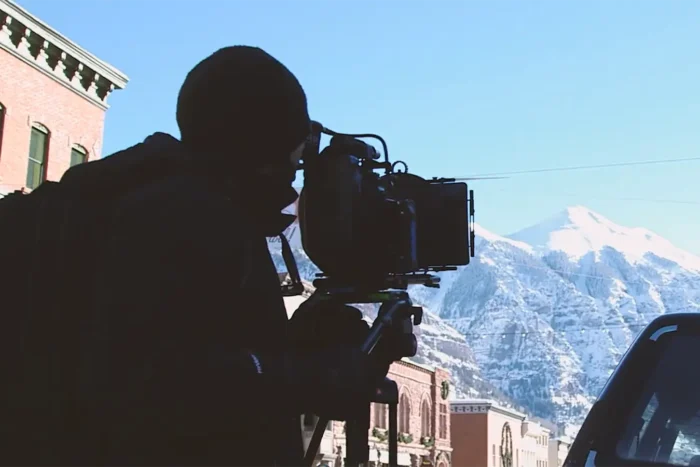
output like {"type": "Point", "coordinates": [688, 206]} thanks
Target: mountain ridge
{"type": "Point", "coordinates": [578, 231]}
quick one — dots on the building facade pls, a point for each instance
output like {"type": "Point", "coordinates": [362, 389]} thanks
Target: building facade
{"type": "Point", "coordinates": [558, 450]}
{"type": "Point", "coordinates": [424, 437]}
{"type": "Point", "coordinates": [487, 435]}
{"type": "Point", "coordinates": [53, 98]}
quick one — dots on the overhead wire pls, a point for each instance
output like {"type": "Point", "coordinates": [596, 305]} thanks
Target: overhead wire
{"type": "Point", "coordinates": [507, 174]}
{"type": "Point", "coordinates": [592, 197]}
{"type": "Point", "coordinates": [601, 327]}
{"type": "Point", "coordinates": [581, 167]}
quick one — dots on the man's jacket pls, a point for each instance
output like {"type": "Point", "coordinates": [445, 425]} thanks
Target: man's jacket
{"type": "Point", "coordinates": [184, 285]}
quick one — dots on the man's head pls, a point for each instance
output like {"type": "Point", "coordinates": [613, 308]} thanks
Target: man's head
{"type": "Point", "coordinates": [246, 111]}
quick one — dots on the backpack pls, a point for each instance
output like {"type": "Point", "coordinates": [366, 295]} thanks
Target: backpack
{"type": "Point", "coordinates": [50, 246]}
{"type": "Point", "coordinates": [40, 255]}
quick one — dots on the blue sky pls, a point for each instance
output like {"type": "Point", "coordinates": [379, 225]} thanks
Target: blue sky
{"type": "Point", "coordinates": [456, 87]}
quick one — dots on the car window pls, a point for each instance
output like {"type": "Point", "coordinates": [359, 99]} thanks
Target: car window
{"type": "Point", "coordinates": [665, 425]}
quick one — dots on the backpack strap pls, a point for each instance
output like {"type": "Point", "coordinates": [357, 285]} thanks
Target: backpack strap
{"type": "Point", "coordinates": [296, 287]}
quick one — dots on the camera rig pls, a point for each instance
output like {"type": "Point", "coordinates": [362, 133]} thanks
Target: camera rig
{"type": "Point", "coordinates": [372, 235]}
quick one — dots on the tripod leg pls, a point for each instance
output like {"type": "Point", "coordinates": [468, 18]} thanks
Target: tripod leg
{"type": "Point", "coordinates": [393, 435]}
{"type": "Point", "coordinates": [316, 439]}
{"type": "Point", "coordinates": [357, 440]}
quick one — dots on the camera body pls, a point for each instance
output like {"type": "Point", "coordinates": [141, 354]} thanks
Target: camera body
{"type": "Point", "coordinates": [366, 225]}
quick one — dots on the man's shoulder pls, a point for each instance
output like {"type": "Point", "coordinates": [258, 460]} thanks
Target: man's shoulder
{"type": "Point", "coordinates": [181, 189]}
{"type": "Point", "coordinates": [159, 169]}
{"type": "Point", "coordinates": [180, 200]}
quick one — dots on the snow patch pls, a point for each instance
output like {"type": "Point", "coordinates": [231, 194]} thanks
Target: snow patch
{"type": "Point", "coordinates": [578, 231]}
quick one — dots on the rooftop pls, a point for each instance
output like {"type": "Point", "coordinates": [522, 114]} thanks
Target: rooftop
{"type": "Point", "coordinates": [564, 440]}
{"type": "Point", "coordinates": [39, 45]}
{"type": "Point", "coordinates": [489, 405]}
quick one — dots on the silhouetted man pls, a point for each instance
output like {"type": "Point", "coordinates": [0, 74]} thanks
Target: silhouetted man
{"type": "Point", "coordinates": [189, 357]}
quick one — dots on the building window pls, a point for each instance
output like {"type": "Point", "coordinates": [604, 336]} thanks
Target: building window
{"type": "Point", "coordinates": [380, 412]}
{"type": "Point", "coordinates": [426, 425]}
{"type": "Point", "coordinates": [404, 414]}
{"type": "Point", "coordinates": [443, 421]}
{"type": "Point", "coordinates": [517, 458]}
{"type": "Point", "coordinates": [78, 155]}
{"type": "Point", "coordinates": [493, 455]}
{"type": "Point", "coordinates": [38, 153]}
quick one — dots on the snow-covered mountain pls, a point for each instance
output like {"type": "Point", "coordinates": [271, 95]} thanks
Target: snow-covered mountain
{"type": "Point", "coordinates": [550, 310]}
{"type": "Point", "coordinates": [510, 306]}
{"type": "Point", "coordinates": [545, 314]}
{"type": "Point", "coordinates": [578, 231]}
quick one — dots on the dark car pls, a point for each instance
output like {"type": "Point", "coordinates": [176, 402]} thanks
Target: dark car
{"type": "Point", "coordinates": [648, 414]}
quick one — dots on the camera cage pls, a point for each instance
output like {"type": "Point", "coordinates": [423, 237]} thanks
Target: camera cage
{"type": "Point", "coordinates": [367, 161]}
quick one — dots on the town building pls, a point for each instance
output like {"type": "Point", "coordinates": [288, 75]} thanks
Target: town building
{"type": "Point", "coordinates": [423, 416]}
{"type": "Point", "coordinates": [558, 450]}
{"type": "Point", "coordinates": [485, 434]}
{"type": "Point", "coordinates": [53, 98]}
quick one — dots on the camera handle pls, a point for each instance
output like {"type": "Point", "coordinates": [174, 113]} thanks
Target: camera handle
{"type": "Point", "coordinates": [396, 312]}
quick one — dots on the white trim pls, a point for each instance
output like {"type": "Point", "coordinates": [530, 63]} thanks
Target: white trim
{"type": "Point", "coordinates": [41, 127]}
{"type": "Point", "coordinates": [33, 42]}
{"type": "Point", "coordinates": [39, 27]}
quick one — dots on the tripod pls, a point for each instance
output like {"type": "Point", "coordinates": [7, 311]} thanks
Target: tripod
{"type": "Point", "coordinates": [396, 315]}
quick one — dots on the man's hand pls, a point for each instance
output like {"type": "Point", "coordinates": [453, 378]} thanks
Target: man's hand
{"type": "Point", "coordinates": [325, 339]}
{"type": "Point", "coordinates": [325, 324]}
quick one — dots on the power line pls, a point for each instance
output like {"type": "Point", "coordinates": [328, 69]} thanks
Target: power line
{"type": "Point", "coordinates": [507, 175]}
{"type": "Point", "coordinates": [588, 196]}
{"type": "Point", "coordinates": [581, 167]}
{"type": "Point", "coordinates": [602, 327]}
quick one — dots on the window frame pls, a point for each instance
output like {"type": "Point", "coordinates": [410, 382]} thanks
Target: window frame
{"type": "Point", "coordinates": [380, 416]}
{"type": "Point", "coordinates": [3, 114]}
{"type": "Point", "coordinates": [404, 413]}
{"type": "Point", "coordinates": [39, 128]}
{"type": "Point", "coordinates": [443, 421]}
{"type": "Point", "coordinates": [77, 148]}
{"type": "Point", "coordinates": [426, 419]}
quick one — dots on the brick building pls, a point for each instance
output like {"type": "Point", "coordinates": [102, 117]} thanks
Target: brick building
{"type": "Point", "coordinates": [53, 98]}
{"type": "Point", "coordinates": [487, 435]}
{"type": "Point", "coordinates": [423, 417]}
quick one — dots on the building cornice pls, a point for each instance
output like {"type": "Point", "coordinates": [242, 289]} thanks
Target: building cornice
{"type": "Point", "coordinates": [405, 361]}
{"type": "Point", "coordinates": [482, 406]}
{"type": "Point", "coordinates": [31, 40]}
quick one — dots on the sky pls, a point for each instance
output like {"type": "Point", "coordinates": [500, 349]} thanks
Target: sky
{"type": "Point", "coordinates": [457, 88]}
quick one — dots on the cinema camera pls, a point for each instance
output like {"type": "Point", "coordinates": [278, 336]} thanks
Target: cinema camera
{"type": "Point", "coordinates": [373, 229]}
